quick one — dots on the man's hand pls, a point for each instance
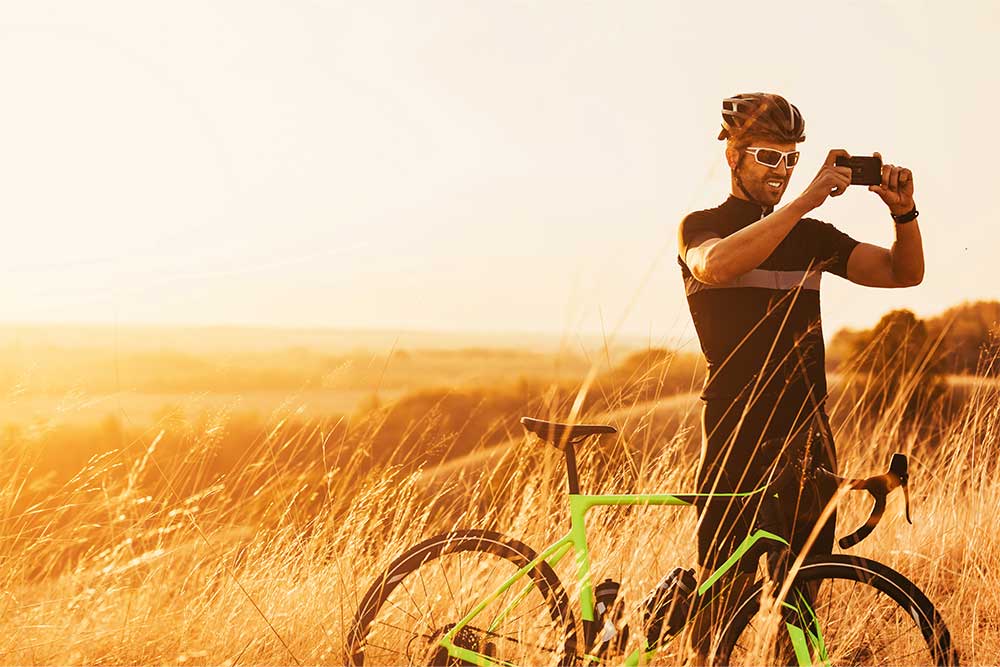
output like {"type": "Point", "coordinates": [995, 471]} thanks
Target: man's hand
{"type": "Point", "coordinates": [896, 189]}
{"type": "Point", "coordinates": [831, 181]}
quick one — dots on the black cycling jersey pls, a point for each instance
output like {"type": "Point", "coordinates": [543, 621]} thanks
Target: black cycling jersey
{"type": "Point", "coordinates": [763, 341]}
{"type": "Point", "coordinates": [761, 332]}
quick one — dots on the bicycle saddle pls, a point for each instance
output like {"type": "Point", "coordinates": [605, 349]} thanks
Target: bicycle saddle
{"type": "Point", "coordinates": [556, 433]}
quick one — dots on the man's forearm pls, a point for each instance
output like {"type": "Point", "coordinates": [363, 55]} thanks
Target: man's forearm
{"type": "Point", "coordinates": [908, 254]}
{"type": "Point", "coordinates": [749, 247]}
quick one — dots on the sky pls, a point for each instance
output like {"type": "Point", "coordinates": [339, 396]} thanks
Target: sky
{"type": "Point", "coordinates": [461, 166]}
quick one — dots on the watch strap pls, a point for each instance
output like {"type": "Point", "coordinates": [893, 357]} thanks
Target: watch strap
{"type": "Point", "coordinates": [904, 218]}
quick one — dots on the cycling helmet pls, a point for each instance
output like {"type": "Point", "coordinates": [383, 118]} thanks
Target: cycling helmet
{"type": "Point", "coordinates": [762, 114]}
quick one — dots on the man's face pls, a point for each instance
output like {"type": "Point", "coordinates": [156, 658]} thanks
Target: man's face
{"type": "Point", "coordinates": [765, 184]}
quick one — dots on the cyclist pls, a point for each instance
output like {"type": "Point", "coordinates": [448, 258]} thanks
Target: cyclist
{"type": "Point", "coordinates": [752, 274]}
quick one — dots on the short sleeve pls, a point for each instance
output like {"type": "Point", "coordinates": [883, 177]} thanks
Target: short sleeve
{"type": "Point", "coordinates": [694, 228]}
{"type": "Point", "coordinates": [831, 247]}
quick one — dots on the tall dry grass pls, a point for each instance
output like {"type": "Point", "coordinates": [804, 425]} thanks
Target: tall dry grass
{"type": "Point", "coordinates": [146, 559]}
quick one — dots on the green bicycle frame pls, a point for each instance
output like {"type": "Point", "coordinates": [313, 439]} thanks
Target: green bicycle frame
{"type": "Point", "coordinates": [576, 541]}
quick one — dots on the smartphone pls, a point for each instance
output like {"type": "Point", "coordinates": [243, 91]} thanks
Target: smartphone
{"type": "Point", "coordinates": [864, 170]}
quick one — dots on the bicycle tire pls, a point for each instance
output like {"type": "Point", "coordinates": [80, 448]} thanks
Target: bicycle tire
{"type": "Point", "coordinates": [485, 543]}
{"type": "Point", "coordinates": [853, 643]}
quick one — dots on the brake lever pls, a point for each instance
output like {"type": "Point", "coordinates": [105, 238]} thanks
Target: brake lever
{"type": "Point", "coordinates": [879, 487]}
{"type": "Point", "coordinates": [899, 465]}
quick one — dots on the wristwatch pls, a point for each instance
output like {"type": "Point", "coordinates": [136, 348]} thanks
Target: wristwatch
{"type": "Point", "coordinates": [904, 218]}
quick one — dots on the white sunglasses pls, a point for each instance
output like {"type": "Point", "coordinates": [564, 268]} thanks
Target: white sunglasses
{"type": "Point", "coordinates": [770, 157]}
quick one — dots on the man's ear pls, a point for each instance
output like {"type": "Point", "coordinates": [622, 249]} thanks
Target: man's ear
{"type": "Point", "coordinates": [732, 155]}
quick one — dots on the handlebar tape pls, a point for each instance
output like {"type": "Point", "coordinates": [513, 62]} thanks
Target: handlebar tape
{"type": "Point", "coordinates": [879, 487]}
{"type": "Point", "coordinates": [868, 526]}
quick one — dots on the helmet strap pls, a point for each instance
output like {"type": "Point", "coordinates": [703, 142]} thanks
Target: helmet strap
{"type": "Point", "coordinates": [765, 209]}
{"type": "Point", "coordinates": [739, 181]}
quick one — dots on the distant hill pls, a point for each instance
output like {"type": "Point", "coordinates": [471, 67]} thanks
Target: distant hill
{"type": "Point", "coordinates": [961, 340]}
{"type": "Point", "coordinates": [212, 339]}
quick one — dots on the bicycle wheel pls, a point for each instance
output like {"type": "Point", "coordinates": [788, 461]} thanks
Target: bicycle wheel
{"type": "Point", "coordinates": [425, 592]}
{"type": "Point", "coordinates": [866, 613]}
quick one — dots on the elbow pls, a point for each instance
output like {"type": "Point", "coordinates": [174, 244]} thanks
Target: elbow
{"type": "Point", "coordinates": [720, 277]}
{"type": "Point", "coordinates": [907, 271]}
{"type": "Point", "coordinates": [911, 279]}
{"type": "Point", "coordinates": [712, 270]}
{"type": "Point", "coordinates": [712, 275]}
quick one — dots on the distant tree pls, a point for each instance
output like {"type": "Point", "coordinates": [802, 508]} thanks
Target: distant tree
{"type": "Point", "coordinates": [963, 339]}
{"type": "Point", "coordinates": [844, 346]}
{"type": "Point", "coordinates": [894, 361]}
{"type": "Point", "coordinates": [968, 335]}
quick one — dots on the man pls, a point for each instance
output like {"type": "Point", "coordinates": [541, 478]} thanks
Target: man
{"type": "Point", "coordinates": [752, 275]}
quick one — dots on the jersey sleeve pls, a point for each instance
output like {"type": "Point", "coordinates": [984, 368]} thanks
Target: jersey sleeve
{"type": "Point", "coordinates": [831, 247]}
{"type": "Point", "coordinates": [694, 228]}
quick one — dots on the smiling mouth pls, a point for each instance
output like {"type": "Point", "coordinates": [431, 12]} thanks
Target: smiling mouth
{"type": "Point", "coordinates": [775, 184]}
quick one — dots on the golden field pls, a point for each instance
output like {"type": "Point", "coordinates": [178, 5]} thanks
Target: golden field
{"type": "Point", "coordinates": [218, 498]}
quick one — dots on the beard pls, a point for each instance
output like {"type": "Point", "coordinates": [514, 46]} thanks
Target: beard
{"type": "Point", "coordinates": [765, 194]}
{"type": "Point", "coordinates": [759, 191]}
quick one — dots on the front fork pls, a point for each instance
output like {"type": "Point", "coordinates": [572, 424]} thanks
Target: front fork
{"type": "Point", "coordinates": [804, 632]}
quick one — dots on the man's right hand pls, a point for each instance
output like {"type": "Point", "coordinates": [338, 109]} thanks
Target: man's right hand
{"type": "Point", "coordinates": [831, 181]}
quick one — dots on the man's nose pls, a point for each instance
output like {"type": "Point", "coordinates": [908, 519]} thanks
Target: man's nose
{"type": "Point", "coordinates": [781, 169]}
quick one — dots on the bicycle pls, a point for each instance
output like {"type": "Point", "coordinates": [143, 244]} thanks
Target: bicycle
{"type": "Point", "coordinates": [521, 614]}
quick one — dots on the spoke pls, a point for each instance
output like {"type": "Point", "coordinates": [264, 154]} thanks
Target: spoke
{"type": "Point", "coordinates": [494, 570]}
{"type": "Point", "coordinates": [907, 630]}
{"type": "Point", "coordinates": [396, 606]}
{"type": "Point", "coordinates": [492, 578]}
{"type": "Point", "coordinates": [448, 584]}
{"type": "Point", "coordinates": [404, 630]}
{"type": "Point", "coordinates": [853, 595]}
{"type": "Point", "coordinates": [902, 633]}
{"type": "Point", "coordinates": [859, 624]}
{"type": "Point", "coordinates": [461, 579]}
{"type": "Point", "coordinates": [870, 633]}
{"type": "Point", "coordinates": [433, 623]}
{"type": "Point", "coordinates": [516, 618]}
{"type": "Point", "coordinates": [502, 601]}
{"type": "Point", "coordinates": [514, 640]}
{"type": "Point", "coordinates": [385, 648]}
{"type": "Point", "coordinates": [410, 621]}
{"type": "Point", "coordinates": [427, 597]}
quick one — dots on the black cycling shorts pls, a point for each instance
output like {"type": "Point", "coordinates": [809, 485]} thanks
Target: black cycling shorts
{"type": "Point", "coordinates": [740, 446]}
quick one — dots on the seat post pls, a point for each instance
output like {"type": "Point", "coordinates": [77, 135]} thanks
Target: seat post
{"type": "Point", "coordinates": [574, 480]}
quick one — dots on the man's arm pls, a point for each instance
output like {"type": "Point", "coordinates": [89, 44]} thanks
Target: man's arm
{"type": "Point", "coordinates": [903, 265]}
{"type": "Point", "coordinates": [715, 260]}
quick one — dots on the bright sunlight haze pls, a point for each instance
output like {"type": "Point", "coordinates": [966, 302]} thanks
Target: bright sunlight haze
{"type": "Point", "coordinates": [500, 167]}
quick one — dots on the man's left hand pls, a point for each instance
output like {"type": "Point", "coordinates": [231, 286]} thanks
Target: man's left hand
{"type": "Point", "coordinates": [896, 189]}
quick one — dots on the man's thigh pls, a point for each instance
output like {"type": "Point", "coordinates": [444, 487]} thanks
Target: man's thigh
{"type": "Point", "coordinates": [806, 501]}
